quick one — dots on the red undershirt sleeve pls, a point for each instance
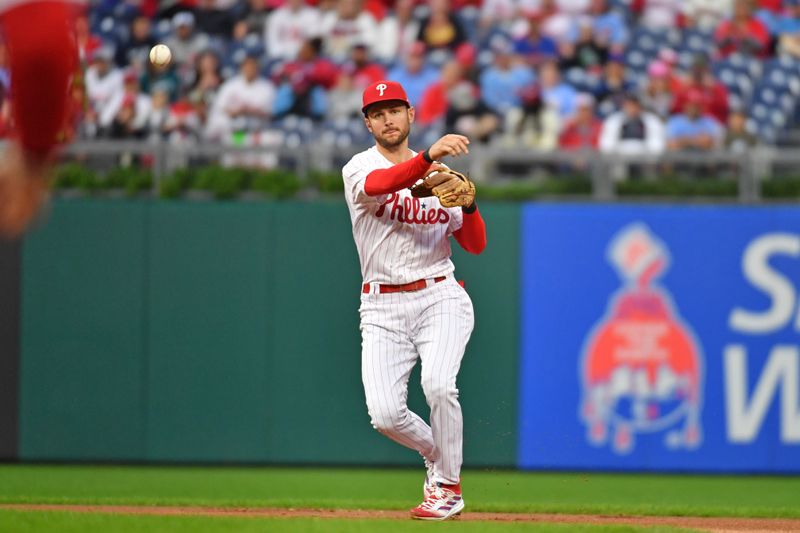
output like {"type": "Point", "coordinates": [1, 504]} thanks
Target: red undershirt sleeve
{"type": "Point", "coordinates": [472, 234]}
{"type": "Point", "coordinates": [394, 178]}
{"type": "Point", "coordinates": [42, 58]}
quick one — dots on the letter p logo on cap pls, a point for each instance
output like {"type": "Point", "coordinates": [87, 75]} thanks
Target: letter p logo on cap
{"type": "Point", "coordinates": [383, 91]}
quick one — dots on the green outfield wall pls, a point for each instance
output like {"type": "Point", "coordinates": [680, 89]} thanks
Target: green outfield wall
{"type": "Point", "coordinates": [228, 332]}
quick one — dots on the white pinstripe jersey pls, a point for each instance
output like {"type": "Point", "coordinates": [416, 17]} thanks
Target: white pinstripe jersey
{"type": "Point", "coordinates": [400, 239]}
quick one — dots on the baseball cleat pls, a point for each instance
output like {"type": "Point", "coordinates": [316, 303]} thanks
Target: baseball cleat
{"type": "Point", "coordinates": [444, 502]}
{"type": "Point", "coordinates": [428, 485]}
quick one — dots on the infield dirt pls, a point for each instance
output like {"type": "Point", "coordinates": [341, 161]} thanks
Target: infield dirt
{"type": "Point", "coordinates": [712, 524]}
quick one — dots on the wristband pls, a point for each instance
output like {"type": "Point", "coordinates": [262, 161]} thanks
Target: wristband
{"type": "Point", "coordinates": [426, 155]}
{"type": "Point", "coordinates": [471, 209]}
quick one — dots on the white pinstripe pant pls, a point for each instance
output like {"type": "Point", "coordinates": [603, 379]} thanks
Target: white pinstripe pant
{"type": "Point", "coordinates": [433, 324]}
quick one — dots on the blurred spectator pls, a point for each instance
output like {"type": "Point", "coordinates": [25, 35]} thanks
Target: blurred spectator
{"type": "Point", "coordinates": [608, 26]}
{"type": "Point", "coordinates": [714, 93]}
{"type": "Point", "coordinates": [737, 137]}
{"type": "Point", "coordinates": [573, 7]}
{"type": "Point", "coordinates": [243, 42]}
{"type": "Point", "coordinates": [244, 103]}
{"type": "Point", "coordinates": [556, 93]}
{"type": "Point", "coordinates": [556, 17]}
{"type": "Point", "coordinates": [632, 131]}
{"type": "Point", "coordinates": [159, 111]}
{"type": "Point", "coordinates": [76, 125]}
{"type": "Point", "coordinates": [441, 28]}
{"type": "Point", "coordinates": [256, 15]}
{"type": "Point", "coordinates": [706, 14]}
{"type": "Point", "coordinates": [613, 85]}
{"type": "Point", "coordinates": [288, 27]}
{"type": "Point", "coordinates": [346, 26]}
{"type": "Point", "coordinates": [467, 55]}
{"type": "Point", "coordinates": [769, 13]}
{"type": "Point", "coordinates": [774, 6]}
{"type": "Point", "coordinates": [414, 74]}
{"type": "Point", "coordinates": [125, 124]}
{"type": "Point", "coordinates": [585, 52]}
{"type": "Point", "coordinates": [363, 71]}
{"type": "Point", "coordinates": [693, 130]}
{"type": "Point", "coordinates": [533, 124]}
{"type": "Point", "coordinates": [164, 77]}
{"type": "Point", "coordinates": [344, 100]}
{"type": "Point", "coordinates": [104, 81]}
{"type": "Point", "coordinates": [742, 33]}
{"type": "Point", "coordinates": [127, 111]}
{"type": "Point", "coordinates": [185, 44]}
{"type": "Point", "coordinates": [657, 95]}
{"type": "Point", "coordinates": [583, 131]}
{"type": "Point", "coordinates": [303, 82]}
{"type": "Point", "coordinates": [133, 51]}
{"type": "Point", "coordinates": [503, 81]}
{"type": "Point", "coordinates": [215, 17]}
{"type": "Point", "coordinates": [86, 41]}
{"type": "Point", "coordinates": [183, 122]}
{"type": "Point", "coordinates": [497, 14]}
{"type": "Point", "coordinates": [788, 29]}
{"type": "Point", "coordinates": [207, 77]}
{"type": "Point", "coordinates": [433, 104]}
{"type": "Point", "coordinates": [669, 58]}
{"type": "Point", "coordinates": [661, 14]}
{"type": "Point", "coordinates": [534, 46]}
{"type": "Point", "coordinates": [398, 31]}
{"type": "Point", "coordinates": [467, 114]}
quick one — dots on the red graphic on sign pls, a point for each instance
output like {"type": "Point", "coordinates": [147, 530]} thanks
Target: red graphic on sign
{"type": "Point", "coordinates": [641, 366]}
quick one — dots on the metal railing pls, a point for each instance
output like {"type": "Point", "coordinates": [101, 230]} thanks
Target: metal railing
{"type": "Point", "coordinates": [485, 164]}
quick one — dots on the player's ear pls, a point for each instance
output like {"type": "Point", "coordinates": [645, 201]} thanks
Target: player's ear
{"type": "Point", "coordinates": [411, 114]}
{"type": "Point", "coordinates": [367, 124]}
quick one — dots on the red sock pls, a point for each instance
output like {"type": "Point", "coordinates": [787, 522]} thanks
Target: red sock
{"type": "Point", "coordinates": [42, 58]}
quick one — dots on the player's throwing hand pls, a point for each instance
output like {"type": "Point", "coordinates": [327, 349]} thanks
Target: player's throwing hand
{"type": "Point", "coordinates": [451, 144]}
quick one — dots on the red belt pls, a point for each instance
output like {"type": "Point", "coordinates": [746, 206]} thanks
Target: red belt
{"type": "Point", "coordinates": [407, 287]}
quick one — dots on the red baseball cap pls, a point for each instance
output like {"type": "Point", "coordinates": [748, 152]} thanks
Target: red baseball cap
{"type": "Point", "coordinates": [383, 91]}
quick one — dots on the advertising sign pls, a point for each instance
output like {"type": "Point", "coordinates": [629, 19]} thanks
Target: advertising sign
{"type": "Point", "coordinates": [660, 338]}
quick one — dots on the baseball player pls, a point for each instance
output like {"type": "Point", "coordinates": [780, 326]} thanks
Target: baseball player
{"type": "Point", "coordinates": [42, 57]}
{"type": "Point", "coordinates": [411, 305]}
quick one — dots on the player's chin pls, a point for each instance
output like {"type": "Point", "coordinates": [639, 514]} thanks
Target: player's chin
{"type": "Point", "coordinates": [392, 140]}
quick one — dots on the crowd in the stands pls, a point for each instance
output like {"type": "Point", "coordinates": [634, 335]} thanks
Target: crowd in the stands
{"type": "Point", "coordinates": [636, 76]}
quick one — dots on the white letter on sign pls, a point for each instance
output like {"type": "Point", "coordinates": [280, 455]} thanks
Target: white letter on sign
{"type": "Point", "coordinates": [744, 421]}
{"type": "Point", "coordinates": [757, 270]}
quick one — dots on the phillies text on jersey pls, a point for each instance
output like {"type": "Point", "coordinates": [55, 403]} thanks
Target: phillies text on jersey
{"type": "Point", "coordinates": [400, 239]}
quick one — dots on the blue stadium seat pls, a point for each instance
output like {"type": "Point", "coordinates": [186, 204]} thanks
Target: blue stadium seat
{"type": "Point", "coordinates": [767, 96]}
{"type": "Point", "coordinates": [787, 102]}
{"type": "Point", "coordinates": [673, 38]}
{"type": "Point", "coordinates": [636, 59]}
{"type": "Point", "coordinates": [577, 78]}
{"type": "Point", "coordinates": [778, 118]}
{"type": "Point", "coordinates": [727, 76]}
{"type": "Point", "coordinates": [759, 111]}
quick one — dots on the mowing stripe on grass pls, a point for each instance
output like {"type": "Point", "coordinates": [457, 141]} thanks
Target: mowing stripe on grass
{"type": "Point", "coordinates": [65, 522]}
{"type": "Point", "coordinates": [336, 488]}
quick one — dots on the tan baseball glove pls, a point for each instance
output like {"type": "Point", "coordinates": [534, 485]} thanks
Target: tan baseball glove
{"type": "Point", "coordinates": [452, 188]}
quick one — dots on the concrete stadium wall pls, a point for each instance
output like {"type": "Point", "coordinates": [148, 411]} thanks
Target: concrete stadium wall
{"type": "Point", "coordinates": [228, 332]}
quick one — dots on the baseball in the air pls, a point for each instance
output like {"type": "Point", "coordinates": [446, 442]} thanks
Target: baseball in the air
{"type": "Point", "coordinates": [160, 55]}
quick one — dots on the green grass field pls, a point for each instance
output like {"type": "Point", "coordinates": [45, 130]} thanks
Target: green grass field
{"type": "Point", "coordinates": [499, 491]}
